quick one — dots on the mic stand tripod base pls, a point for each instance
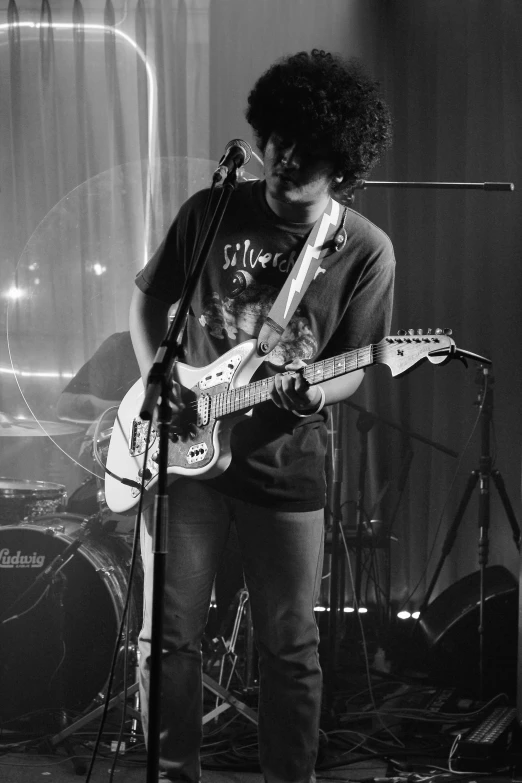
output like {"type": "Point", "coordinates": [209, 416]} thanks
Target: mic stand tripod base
{"type": "Point", "coordinates": [229, 701]}
{"type": "Point", "coordinates": [96, 713]}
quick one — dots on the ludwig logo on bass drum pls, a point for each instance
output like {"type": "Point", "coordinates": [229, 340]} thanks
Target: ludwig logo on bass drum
{"type": "Point", "coordinates": [19, 560]}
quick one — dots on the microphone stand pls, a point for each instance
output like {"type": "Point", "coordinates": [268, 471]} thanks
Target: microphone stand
{"type": "Point", "coordinates": [158, 385]}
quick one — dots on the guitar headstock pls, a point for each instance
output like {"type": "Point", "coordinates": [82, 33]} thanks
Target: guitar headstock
{"type": "Point", "coordinates": [403, 351]}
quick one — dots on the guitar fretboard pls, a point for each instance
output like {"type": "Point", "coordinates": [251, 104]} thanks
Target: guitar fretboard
{"type": "Point", "coordinates": [247, 396]}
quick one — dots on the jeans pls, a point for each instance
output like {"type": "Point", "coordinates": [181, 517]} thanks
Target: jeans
{"type": "Point", "coordinates": [282, 555]}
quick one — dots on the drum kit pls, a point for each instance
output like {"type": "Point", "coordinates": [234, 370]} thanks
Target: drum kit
{"type": "Point", "coordinates": [64, 567]}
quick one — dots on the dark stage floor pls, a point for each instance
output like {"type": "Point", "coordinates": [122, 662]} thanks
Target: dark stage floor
{"type": "Point", "coordinates": [401, 732]}
{"type": "Point", "coordinates": [388, 715]}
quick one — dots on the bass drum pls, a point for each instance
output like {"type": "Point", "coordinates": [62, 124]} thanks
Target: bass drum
{"type": "Point", "coordinates": [57, 642]}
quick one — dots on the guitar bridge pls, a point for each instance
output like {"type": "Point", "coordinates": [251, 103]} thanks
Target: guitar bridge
{"type": "Point", "coordinates": [138, 437]}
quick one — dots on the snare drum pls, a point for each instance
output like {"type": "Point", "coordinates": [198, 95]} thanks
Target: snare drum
{"type": "Point", "coordinates": [57, 644]}
{"type": "Point", "coordinates": [22, 499]}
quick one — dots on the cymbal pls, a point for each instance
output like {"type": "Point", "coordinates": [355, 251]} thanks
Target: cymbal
{"type": "Point", "coordinates": [26, 428]}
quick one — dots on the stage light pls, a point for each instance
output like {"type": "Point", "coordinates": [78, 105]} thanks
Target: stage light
{"type": "Point", "coordinates": [403, 615]}
{"type": "Point", "coordinates": [15, 293]}
{"type": "Point", "coordinates": [26, 374]}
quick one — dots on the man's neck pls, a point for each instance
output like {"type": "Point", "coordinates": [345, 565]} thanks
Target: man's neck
{"type": "Point", "coordinates": [297, 213]}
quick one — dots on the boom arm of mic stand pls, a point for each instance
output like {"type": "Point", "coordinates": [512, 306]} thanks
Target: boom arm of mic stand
{"type": "Point", "coordinates": [502, 186]}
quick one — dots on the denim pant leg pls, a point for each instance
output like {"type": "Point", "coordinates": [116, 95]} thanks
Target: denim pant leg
{"type": "Point", "coordinates": [197, 532]}
{"type": "Point", "coordinates": [282, 559]}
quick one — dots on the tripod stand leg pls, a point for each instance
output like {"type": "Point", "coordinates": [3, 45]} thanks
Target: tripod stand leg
{"type": "Point", "coordinates": [451, 535]}
{"type": "Point", "coordinates": [96, 713]}
{"type": "Point", "coordinates": [225, 699]}
{"type": "Point", "coordinates": [508, 508]}
{"type": "Point", "coordinates": [243, 709]}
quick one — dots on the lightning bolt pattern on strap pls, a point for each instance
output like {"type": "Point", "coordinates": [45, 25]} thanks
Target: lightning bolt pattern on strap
{"type": "Point", "coordinates": [312, 251]}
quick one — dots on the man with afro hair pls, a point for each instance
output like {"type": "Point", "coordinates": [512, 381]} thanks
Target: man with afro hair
{"type": "Point", "coordinates": [320, 125]}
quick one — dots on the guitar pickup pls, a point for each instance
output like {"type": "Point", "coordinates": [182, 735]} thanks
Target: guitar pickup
{"type": "Point", "coordinates": [203, 410]}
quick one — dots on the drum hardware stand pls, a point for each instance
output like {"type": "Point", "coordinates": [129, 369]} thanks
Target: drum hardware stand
{"type": "Point", "coordinates": [58, 582]}
{"type": "Point", "coordinates": [365, 422]}
{"type": "Point", "coordinates": [80, 766]}
{"type": "Point", "coordinates": [226, 650]}
{"type": "Point", "coordinates": [481, 477]}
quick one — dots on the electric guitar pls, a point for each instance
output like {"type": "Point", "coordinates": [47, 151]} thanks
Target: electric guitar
{"type": "Point", "coordinates": [217, 396]}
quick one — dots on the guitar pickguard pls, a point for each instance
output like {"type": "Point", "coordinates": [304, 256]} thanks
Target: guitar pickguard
{"type": "Point", "coordinates": [222, 373]}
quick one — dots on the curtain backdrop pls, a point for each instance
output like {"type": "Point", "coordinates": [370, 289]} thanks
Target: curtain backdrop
{"type": "Point", "coordinates": [112, 114]}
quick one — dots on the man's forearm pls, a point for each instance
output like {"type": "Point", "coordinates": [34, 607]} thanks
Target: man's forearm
{"type": "Point", "coordinates": [82, 407]}
{"type": "Point", "coordinates": [148, 321]}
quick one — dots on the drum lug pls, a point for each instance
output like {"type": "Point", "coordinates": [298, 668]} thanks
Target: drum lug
{"type": "Point", "coordinates": [53, 530]}
{"type": "Point", "coordinates": [105, 571]}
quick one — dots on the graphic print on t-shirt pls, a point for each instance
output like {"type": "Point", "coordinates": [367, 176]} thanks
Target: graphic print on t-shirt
{"type": "Point", "coordinates": [241, 317]}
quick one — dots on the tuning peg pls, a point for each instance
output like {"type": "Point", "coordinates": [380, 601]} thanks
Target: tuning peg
{"type": "Point", "coordinates": [438, 331]}
{"type": "Point", "coordinates": [430, 331]}
{"type": "Point", "coordinates": [401, 332]}
{"type": "Point", "coordinates": [419, 331]}
{"type": "Point", "coordinates": [448, 331]}
{"type": "Point", "coordinates": [411, 332]}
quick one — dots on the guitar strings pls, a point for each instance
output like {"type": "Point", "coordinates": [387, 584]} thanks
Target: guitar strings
{"type": "Point", "coordinates": [259, 391]}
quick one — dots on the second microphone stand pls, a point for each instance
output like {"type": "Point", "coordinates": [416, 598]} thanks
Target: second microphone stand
{"type": "Point", "coordinates": [481, 477]}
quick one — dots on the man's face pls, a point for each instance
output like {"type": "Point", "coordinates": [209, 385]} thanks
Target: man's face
{"type": "Point", "coordinates": [296, 176]}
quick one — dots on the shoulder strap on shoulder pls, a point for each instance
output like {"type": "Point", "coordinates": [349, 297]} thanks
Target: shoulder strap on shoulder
{"type": "Point", "coordinates": [314, 250]}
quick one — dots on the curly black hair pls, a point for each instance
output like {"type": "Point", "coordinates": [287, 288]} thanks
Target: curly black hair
{"type": "Point", "coordinates": [321, 98]}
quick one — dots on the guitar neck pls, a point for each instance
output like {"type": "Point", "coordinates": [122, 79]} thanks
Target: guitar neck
{"type": "Point", "coordinates": [246, 397]}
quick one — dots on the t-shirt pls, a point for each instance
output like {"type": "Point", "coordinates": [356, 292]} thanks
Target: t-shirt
{"type": "Point", "coordinates": [277, 458]}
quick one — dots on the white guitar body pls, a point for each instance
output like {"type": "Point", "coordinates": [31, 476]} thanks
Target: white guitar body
{"type": "Point", "coordinates": [216, 397]}
{"type": "Point", "coordinates": [205, 456]}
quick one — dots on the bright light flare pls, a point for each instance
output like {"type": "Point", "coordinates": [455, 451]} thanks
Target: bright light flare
{"type": "Point", "coordinates": [14, 293]}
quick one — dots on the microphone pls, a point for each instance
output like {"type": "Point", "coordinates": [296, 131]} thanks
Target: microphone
{"type": "Point", "coordinates": [239, 283]}
{"type": "Point", "coordinates": [237, 153]}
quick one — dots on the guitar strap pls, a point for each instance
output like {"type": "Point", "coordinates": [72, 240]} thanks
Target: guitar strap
{"type": "Point", "coordinates": [316, 247]}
